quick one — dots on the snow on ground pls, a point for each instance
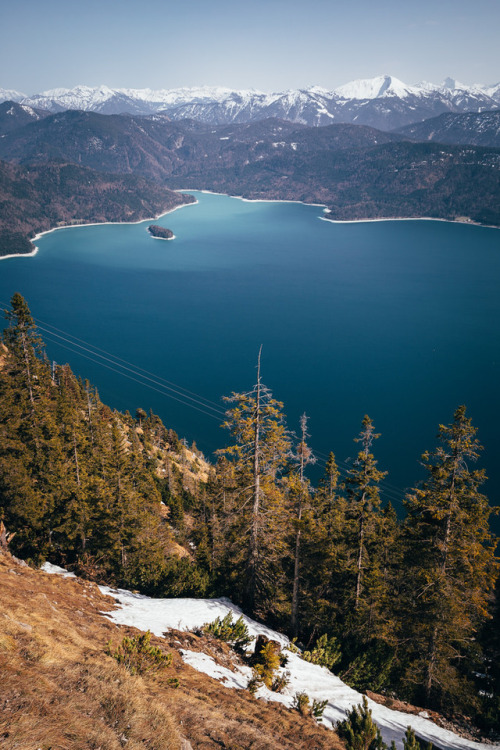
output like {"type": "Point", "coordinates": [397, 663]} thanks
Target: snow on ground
{"type": "Point", "coordinates": [160, 615]}
{"type": "Point", "coordinates": [56, 570]}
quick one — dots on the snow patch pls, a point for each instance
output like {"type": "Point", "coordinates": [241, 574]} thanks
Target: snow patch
{"type": "Point", "coordinates": [159, 615]}
{"type": "Point", "coordinates": [56, 570]}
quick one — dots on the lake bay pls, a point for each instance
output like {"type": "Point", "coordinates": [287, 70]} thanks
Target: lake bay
{"type": "Point", "coordinates": [399, 320]}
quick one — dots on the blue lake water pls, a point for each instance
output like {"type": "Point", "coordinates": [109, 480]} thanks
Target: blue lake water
{"type": "Point", "coordinates": [398, 320]}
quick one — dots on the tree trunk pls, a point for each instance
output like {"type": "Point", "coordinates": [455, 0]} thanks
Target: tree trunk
{"type": "Point", "coordinates": [359, 574]}
{"type": "Point", "coordinates": [254, 534]}
{"type": "Point", "coordinates": [296, 574]}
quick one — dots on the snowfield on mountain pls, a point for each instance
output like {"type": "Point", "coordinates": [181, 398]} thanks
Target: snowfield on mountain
{"type": "Point", "coordinates": [383, 101]}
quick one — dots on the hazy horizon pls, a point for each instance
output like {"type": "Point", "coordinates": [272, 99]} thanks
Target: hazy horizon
{"type": "Point", "coordinates": [271, 45]}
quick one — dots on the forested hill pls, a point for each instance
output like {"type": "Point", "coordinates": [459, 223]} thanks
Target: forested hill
{"type": "Point", "coordinates": [401, 607]}
{"type": "Point", "coordinates": [476, 128]}
{"type": "Point", "coordinates": [46, 196]}
{"type": "Point", "coordinates": [356, 171]}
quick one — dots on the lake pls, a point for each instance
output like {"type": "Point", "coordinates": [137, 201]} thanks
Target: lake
{"type": "Point", "coordinates": [396, 319]}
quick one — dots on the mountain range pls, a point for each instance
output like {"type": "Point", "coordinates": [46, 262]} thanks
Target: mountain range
{"type": "Point", "coordinates": [383, 102]}
{"type": "Point", "coordinates": [67, 159]}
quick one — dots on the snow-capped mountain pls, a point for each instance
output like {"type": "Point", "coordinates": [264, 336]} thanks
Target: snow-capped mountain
{"type": "Point", "coordinates": [9, 95]}
{"type": "Point", "coordinates": [494, 92]}
{"type": "Point", "coordinates": [374, 88]}
{"type": "Point", "coordinates": [383, 102]}
{"type": "Point", "coordinates": [14, 115]}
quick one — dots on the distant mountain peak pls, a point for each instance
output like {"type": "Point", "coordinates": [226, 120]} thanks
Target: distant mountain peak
{"type": "Point", "coordinates": [373, 88]}
{"type": "Point", "coordinates": [10, 95]}
{"type": "Point", "coordinates": [384, 102]}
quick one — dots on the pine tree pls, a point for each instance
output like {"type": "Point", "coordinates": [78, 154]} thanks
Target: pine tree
{"type": "Point", "coordinates": [359, 731]}
{"type": "Point", "coordinates": [259, 455]}
{"type": "Point", "coordinates": [30, 452]}
{"type": "Point", "coordinates": [324, 554]}
{"type": "Point", "coordinates": [363, 513]}
{"type": "Point", "coordinates": [450, 566]}
{"type": "Point", "coordinates": [301, 494]}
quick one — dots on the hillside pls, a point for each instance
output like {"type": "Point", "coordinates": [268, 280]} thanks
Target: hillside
{"type": "Point", "coordinates": [14, 116]}
{"type": "Point", "coordinates": [357, 172]}
{"type": "Point", "coordinates": [43, 197]}
{"type": "Point", "coordinates": [474, 128]}
{"type": "Point", "coordinates": [121, 501]}
{"type": "Point", "coordinates": [60, 690]}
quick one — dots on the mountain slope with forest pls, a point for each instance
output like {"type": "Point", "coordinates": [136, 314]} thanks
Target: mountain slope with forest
{"type": "Point", "coordinates": [474, 128]}
{"type": "Point", "coordinates": [357, 172]}
{"type": "Point", "coordinates": [43, 197]}
{"type": "Point", "coordinates": [404, 607]}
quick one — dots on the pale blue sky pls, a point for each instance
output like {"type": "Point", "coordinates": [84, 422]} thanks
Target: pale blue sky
{"type": "Point", "coordinates": [265, 44]}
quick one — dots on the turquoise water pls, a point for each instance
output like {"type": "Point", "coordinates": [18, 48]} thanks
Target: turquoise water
{"type": "Point", "coordinates": [399, 320]}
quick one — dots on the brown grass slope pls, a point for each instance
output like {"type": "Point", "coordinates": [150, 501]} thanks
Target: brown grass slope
{"type": "Point", "coordinates": [60, 691]}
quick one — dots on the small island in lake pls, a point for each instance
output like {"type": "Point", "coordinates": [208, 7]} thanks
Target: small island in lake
{"type": "Point", "coordinates": [161, 233]}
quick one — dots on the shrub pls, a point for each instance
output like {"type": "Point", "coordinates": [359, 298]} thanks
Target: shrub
{"type": "Point", "coordinates": [370, 670]}
{"type": "Point", "coordinates": [181, 577]}
{"type": "Point", "coordinates": [138, 655]}
{"type": "Point", "coordinates": [412, 742]}
{"type": "Point", "coordinates": [265, 662]}
{"type": "Point", "coordinates": [318, 709]}
{"type": "Point", "coordinates": [234, 633]}
{"type": "Point", "coordinates": [302, 704]}
{"type": "Point", "coordinates": [280, 682]}
{"type": "Point", "coordinates": [292, 647]}
{"type": "Point", "coordinates": [359, 731]}
{"type": "Point", "coordinates": [326, 652]}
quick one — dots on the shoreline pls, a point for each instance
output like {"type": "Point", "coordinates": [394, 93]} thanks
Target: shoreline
{"type": "Point", "coordinates": [468, 223]}
{"type": "Point", "coordinates": [96, 224]}
{"type": "Point", "coordinates": [326, 210]}
{"type": "Point", "coordinates": [249, 200]}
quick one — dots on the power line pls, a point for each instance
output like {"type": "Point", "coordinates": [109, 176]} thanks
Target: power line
{"type": "Point", "coordinates": [135, 371]}
{"type": "Point", "coordinates": [139, 372]}
{"type": "Point", "coordinates": [137, 380]}
{"type": "Point", "coordinates": [136, 367]}
{"type": "Point", "coordinates": [167, 388]}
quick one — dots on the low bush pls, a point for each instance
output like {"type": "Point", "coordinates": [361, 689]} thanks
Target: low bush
{"type": "Point", "coordinates": [326, 652]}
{"type": "Point", "coordinates": [138, 655]}
{"type": "Point", "coordinates": [359, 731]}
{"type": "Point", "coordinates": [302, 704]}
{"type": "Point", "coordinates": [234, 633]}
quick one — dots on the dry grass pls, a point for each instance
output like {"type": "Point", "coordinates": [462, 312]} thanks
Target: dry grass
{"type": "Point", "coordinates": [59, 690]}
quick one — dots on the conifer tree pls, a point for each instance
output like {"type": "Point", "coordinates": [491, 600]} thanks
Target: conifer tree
{"type": "Point", "coordinates": [30, 460]}
{"type": "Point", "coordinates": [359, 731]}
{"type": "Point", "coordinates": [259, 455]}
{"type": "Point", "coordinates": [302, 497]}
{"type": "Point", "coordinates": [450, 566]}
{"type": "Point", "coordinates": [363, 510]}
{"type": "Point", "coordinates": [324, 556]}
